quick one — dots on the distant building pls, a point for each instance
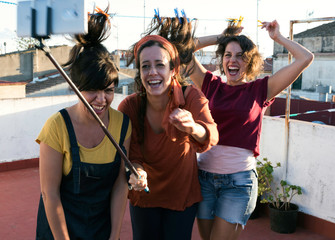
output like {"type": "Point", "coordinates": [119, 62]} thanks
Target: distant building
{"type": "Point", "coordinates": [30, 73]}
{"type": "Point", "coordinates": [24, 66]}
{"type": "Point", "coordinates": [207, 59]}
{"type": "Point", "coordinates": [321, 41]}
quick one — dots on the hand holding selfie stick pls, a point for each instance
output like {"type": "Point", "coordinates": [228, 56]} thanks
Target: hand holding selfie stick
{"type": "Point", "coordinates": [129, 165]}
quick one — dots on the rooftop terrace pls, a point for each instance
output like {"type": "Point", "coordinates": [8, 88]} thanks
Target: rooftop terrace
{"type": "Point", "coordinates": [307, 159]}
{"type": "Point", "coordinates": [20, 191]}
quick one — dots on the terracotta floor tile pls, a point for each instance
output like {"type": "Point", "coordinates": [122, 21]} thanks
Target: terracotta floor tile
{"type": "Point", "coordinates": [19, 196]}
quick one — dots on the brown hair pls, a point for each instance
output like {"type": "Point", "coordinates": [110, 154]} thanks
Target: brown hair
{"type": "Point", "coordinates": [178, 32]}
{"type": "Point", "coordinates": [249, 50]}
{"type": "Point", "coordinates": [90, 64]}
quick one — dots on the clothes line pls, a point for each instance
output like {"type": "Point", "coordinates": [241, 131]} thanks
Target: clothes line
{"type": "Point", "coordinates": [8, 2]}
{"type": "Point", "coordinates": [307, 112]}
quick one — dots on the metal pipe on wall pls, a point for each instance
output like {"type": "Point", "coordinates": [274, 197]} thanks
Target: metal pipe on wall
{"type": "Point", "coordinates": [288, 93]}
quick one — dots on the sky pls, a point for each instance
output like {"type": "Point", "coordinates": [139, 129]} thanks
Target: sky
{"type": "Point", "coordinates": [131, 17]}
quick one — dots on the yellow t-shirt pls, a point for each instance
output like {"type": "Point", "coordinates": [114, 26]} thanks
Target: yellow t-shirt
{"type": "Point", "coordinates": [54, 134]}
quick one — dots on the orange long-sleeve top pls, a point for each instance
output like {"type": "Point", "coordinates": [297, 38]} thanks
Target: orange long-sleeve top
{"type": "Point", "coordinates": [169, 158]}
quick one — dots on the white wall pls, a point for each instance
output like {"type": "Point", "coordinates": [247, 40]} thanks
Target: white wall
{"type": "Point", "coordinates": [22, 119]}
{"type": "Point", "coordinates": [320, 72]}
{"type": "Point", "coordinates": [310, 162]}
{"type": "Point", "coordinates": [311, 152]}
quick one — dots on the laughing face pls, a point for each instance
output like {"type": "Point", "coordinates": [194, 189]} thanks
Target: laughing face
{"type": "Point", "coordinates": [155, 70]}
{"type": "Point", "coordinates": [234, 65]}
{"type": "Point", "coordinates": [100, 100]}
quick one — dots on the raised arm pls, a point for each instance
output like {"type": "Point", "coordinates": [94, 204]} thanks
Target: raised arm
{"type": "Point", "coordinates": [199, 71]}
{"type": "Point", "coordinates": [206, 41]}
{"type": "Point", "coordinates": [288, 74]}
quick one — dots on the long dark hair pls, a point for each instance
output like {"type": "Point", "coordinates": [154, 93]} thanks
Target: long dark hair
{"type": "Point", "coordinates": [90, 64]}
{"type": "Point", "coordinates": [178, 31]}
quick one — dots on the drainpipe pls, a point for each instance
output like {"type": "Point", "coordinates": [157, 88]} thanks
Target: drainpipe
{"type": "Point", "coordinates": [287, 110]}
{"type": "Point", "coordinates": [288, 94]}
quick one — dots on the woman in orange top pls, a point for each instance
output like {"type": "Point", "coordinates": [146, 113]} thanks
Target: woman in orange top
{"type": "Point", "coordinates": [169, 126]}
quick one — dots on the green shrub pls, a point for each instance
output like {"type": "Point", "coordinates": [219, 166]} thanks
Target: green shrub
{"type": "Point", "coordinates": [279, 197]}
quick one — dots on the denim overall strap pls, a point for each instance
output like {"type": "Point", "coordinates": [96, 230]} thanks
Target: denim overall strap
{"type": "Point", "coordinates": [74, 151]}
{"type": "Point", "coordinates": [123, 133]}
{"type": "Point", "coordinates": [124, 129]}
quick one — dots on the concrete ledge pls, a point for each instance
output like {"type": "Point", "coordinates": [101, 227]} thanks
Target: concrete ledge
{"type": "Point", "coordinates": [12, 89]}
{"type": "Point", "coordinates": [20, 164]}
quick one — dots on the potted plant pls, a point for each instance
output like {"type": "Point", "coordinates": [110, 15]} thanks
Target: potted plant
{"type": "Point", "coordinates": [265, 178]}
{"type": "Point", "coordinates": [283, 213]}
{"type": "Point", "coordinates": [262, 187]}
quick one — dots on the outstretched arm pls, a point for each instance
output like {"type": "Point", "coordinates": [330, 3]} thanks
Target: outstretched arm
{"type": "Point", "coordinates": [288, 74]}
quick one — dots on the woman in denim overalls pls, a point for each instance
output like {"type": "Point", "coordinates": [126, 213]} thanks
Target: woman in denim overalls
{"type": "Point", "coordinates": [83, 182]}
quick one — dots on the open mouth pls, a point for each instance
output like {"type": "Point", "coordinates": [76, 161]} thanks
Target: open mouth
{"type": "Point", "coordinates": [233, 71]}
{"type": "Point", "coordinates": [98, 109]}
{"type": "Point", "coordinates": [154, 83]}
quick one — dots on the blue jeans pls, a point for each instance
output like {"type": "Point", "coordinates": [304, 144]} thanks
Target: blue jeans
{"type": "Point", "coordinates": [231, 197]}
{"type": "Point", "coordinates": [162, 223]}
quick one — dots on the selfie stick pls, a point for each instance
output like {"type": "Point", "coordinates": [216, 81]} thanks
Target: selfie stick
{"type": "Point", "coordinates": [130, 166]}
{"type": "Point", "coordinates": [47, 52]}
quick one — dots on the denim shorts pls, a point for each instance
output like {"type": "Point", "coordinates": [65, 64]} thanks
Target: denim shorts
{"type": "Point", "coordinates": [231, 197]}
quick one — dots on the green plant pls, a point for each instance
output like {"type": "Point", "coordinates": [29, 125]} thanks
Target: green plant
{"type": "Point", "coordinates": [279, 197]}
{"type": "Point", "coordinates": [265, 177]}
{"type": "Point", "coordinates": [25, 43]}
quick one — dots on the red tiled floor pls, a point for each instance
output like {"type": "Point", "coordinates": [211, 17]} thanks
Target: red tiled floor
{"type": "Point", "coordinates": [19, 195]}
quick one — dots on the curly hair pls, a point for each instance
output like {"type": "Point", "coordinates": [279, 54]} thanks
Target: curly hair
{"type": "Point", "coordinates": [250, 52]}
{"type": "Point", "coordinates": [90, 64]}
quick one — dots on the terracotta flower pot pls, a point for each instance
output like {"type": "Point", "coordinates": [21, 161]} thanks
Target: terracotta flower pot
{"type": "Point", "coordinates": [283, 221]}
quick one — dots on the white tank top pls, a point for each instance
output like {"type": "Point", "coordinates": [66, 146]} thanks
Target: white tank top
{"type": "Point", "coordinates": [226, 160]}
